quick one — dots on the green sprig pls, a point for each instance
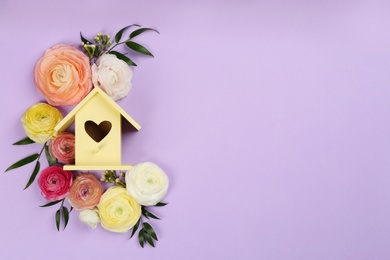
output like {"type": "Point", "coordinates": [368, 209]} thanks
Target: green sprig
{"type": "Point", "coordinates": [103, 45]}
{"type": "Point", "coordinates": [27, 160]}
{"type": "Point", "coordinates": [61, 213]}
{"type": "Point", "coordinates": [146, 233]}
{"type": "Point", "coordinates": [22, 162]}
{"type": "Point", "coordinates": [110, 176]}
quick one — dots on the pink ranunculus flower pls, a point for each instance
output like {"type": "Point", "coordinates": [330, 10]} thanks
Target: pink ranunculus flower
{"type": "Point", "coordinates": [85, 192]}
{"type": "Point", "coordinates": [55, 183]}
{"type": "Point", "coordinates": [112, 75]}
{"type": "Point", "coordinates": [62, 147]}
{"type": "Point", "coordinates": [63, 75]}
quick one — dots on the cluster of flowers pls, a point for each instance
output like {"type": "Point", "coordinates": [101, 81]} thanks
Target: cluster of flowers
{"type": "Point", "coordinates": [118, 208]}
{"type": "Point", "coordinates": [64, 75]}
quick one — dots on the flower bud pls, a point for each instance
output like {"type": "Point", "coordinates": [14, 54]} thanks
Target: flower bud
{"type": "Point", "coordinates": [89, 217]}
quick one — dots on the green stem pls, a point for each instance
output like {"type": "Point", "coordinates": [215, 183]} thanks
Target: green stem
{"type": "Point", "coordinates": [40, 153]}
{"type": "Point", "coordinates": [120, 183]}
{"type": "Point", "coordinates": [116, 44]}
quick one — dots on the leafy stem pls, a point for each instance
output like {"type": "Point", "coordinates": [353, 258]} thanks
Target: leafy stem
{"type": "Point", "coordinates": [36, 168]}
{"type": "Point", "coordinates": [102, 45]}
{"type": "Point", "coordinates": [64, 212]}
{"type": "Point", "coordinates": [43, 148]}
{"type": "Point", "coordinates": [116, 44]}
{"type": "Point", "coordinates": [146, 233]}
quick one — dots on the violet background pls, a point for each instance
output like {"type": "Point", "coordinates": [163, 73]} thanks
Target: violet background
{"type": "Point", "coordinates": [270, 118]}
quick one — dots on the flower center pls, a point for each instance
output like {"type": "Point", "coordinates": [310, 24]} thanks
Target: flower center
{"type": "Point", "coordinates": [84, 192]}
{"type": "Point", "coordinates": [151, 181]}
{"type": "Point", "coordinates": [119, 211]}
{"type": "Point", "coordinates": [113, 78]}
{"type": "Point", "coordinates": [61, 75]}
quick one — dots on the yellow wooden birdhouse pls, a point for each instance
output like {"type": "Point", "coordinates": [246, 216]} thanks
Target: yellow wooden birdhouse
{"type": "Point", "coordinates": [98, 132]}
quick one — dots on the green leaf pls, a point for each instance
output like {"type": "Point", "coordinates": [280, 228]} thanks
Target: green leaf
{"type": "Point", "coordinates": [58, 219]}
{"type": "Point", "coordinates": [147, 214]}
{"type": "Point", "coordinates": [33, 175]}
{"type": "Point", "coordinates": [161, 204]}
{"type": "Point", "coordinates": [23, 161]}
{"type": "Point", "coordinates": [149, 239]}
{"type": "Point", "coordinates": [139, 31]}
{"type": "Point", "coordinates": [96, 53]}
{"type": "Point", "coordinates": [71, 208]}
{"type": "Point", "coordinates": [123, 57]}
{"type": "Point", "coordinates": [24, 141]}
{"type": "Point", "coordinates": [65, 214]}
{"type": "Point", "coordinates": [138, 48]}
{"type": "Point", "coordinates": [141, 237]}
{"type": "Point", "coordinates": [50, 160]}
{"type": "Point", "coordinates": [84, 40]}
{"type": "Point", "coordinates": [135, 228]}
{"type": "Point", "coordinates": [118, 35]}
{"type": "Point", "coordinates": [51, 203]}
{"type": "Point", "coordinates": [150, 230]}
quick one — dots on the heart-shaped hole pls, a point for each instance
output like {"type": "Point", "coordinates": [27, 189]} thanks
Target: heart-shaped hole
{"type": "Point", "coordinates": [97, 131]}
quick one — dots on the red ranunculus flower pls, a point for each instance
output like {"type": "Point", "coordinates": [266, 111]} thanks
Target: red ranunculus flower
{"type": "Point", "coordinates": [55, 183]}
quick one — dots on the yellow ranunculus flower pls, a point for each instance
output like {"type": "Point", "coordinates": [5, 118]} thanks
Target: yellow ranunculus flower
{"type": "Point", "coordinates": [118, 211]}
{"type": "Point", "coordinates": [39, 122]}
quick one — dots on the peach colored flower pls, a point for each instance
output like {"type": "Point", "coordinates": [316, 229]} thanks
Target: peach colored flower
{"type": "Point", "coordinates": [85, 192]}
{"type": "Point", "coordinates": [62, 147]}
{"type": "Point", "coordinates": [63, 75]}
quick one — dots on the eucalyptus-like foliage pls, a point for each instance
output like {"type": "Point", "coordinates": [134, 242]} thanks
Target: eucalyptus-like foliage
{"type": "Point", "coordinates": [102, 44]}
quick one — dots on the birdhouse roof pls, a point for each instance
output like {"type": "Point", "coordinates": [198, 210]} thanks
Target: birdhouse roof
{"type": "Point", "coordinates": [70, 117]}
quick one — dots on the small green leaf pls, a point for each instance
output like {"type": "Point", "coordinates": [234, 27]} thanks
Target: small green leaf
{"type": "Point", "coordinates": [138, 48]}
{"type": "Point", "coordinates": [65, 214]}
{"type": "Point", "coordinates": [150, 230]}
{"type": "Point", "coordinates": [58, 219]}
{"type": "Point", "coordinates": [96, 52]}
{"type": "Point", "coordinates": [24, 141]}
{"type": "Point", "coordinates": [135, 228]}
{"type": "Point", "coordinates": [149, 239]}
{"type": "Point", "coordinates": [123, 57]}
{"type": "Point", "coordinates": [147, 214]}
{"type": "Point", "coordinates": [50, 159]}
{"type": "Point", "coordinates": [71, 208]}
{"type": "Point", "coordinates": [161, 204]}
{"type": "Point", "coordinates": [33, 175]}
{"type": "Point", "coordinates": [141, 237]}
{"type": "Point", "coordinates": [24, 161]}
{"type": "Point", "coordinates": [139, 31]}
{"type": "Point", "coordinates": [84, 40]}
{"type": "Point", "coordinates": [118, 35]}
{"type": "Point", "coordinates": [50, 203]}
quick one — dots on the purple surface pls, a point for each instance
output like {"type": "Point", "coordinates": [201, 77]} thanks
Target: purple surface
{"type": "Point", "coordinates": [270, 118]}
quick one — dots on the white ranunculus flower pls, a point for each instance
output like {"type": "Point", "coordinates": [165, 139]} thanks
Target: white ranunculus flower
{"type": "Point", "coordinates": [147, 183]}
{"type": "Point", "coordinates": [89, 217]}
{"type": "Point", "coordinates": [112, 75]}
